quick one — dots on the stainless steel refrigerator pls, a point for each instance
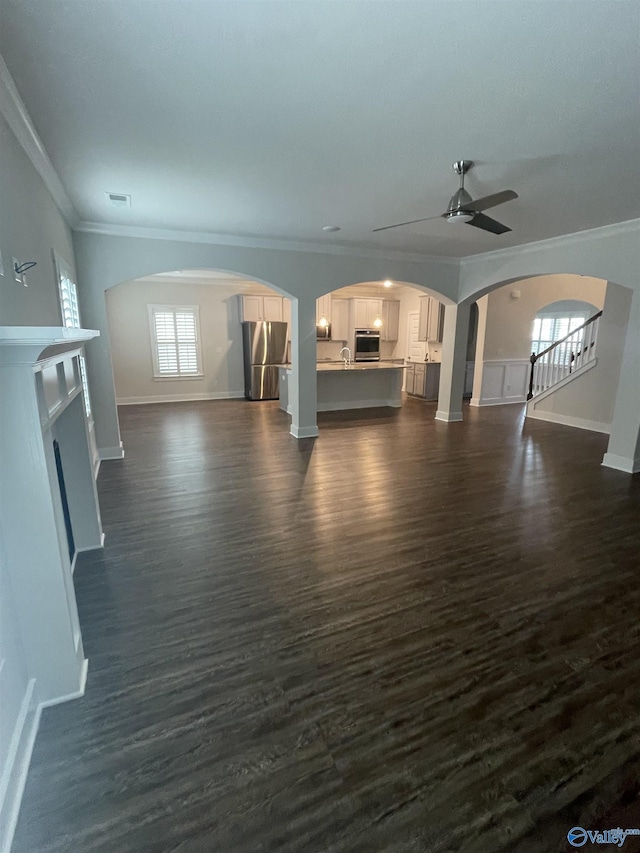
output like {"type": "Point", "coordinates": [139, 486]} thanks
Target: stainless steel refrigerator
{"type": "Point", "coordinates": [265, 349]}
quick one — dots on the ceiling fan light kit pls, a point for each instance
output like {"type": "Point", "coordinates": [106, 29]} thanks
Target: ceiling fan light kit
{"type": "Point", "coordinates": [459, 216]}
{"type": "Point", "coordinates": [463, 209]}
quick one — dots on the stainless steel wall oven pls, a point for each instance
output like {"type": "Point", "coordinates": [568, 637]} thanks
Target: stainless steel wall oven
{"type": "Point", "coordinates": [367, 345]}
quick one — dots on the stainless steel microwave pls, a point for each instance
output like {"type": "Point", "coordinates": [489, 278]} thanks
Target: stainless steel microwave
{"type": "Point", "coordinates": [323, 333]}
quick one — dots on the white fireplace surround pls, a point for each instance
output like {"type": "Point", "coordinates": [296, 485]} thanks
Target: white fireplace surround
{"type": "Point", "coordinates": [41, 654]}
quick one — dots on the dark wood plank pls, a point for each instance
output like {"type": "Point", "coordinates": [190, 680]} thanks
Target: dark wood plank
{"type": "Point", "coordinates": [401, 636]}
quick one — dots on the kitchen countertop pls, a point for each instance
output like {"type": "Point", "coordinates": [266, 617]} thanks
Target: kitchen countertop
{"type": "Point", "coordinates": [330, 365]}
{"type": "Point", "coordinates": [340, 367]}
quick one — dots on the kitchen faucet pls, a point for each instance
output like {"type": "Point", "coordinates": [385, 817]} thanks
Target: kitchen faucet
{"type": "Point", "coordinates": [347, 358]}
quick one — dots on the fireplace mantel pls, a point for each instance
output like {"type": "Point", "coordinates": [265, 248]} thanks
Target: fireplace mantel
{"type": "Point", "coordinates": [30, 344]}
{"type": "Point", "coordinates": [49, 512]}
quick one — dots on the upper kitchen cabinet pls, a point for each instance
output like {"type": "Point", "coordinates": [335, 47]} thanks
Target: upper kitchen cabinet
{"type": "Point", "coordinates": [390, 319]}
{"type": "Point", "coordinates": [366, 313]}
{"type": "Point", "coordinates": [259, 308]}
{"type": "Point", "coordinates": [340, 320]}
{"type": "Point", "coordinates": [286, 315]}
{"type": "Point", "coordinates": [431, 320]}
{"type": "Point", "coordinates": [323, 310]}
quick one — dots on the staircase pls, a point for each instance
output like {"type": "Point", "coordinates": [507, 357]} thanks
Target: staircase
{"type": "Point", "coordinates": [563, 357]}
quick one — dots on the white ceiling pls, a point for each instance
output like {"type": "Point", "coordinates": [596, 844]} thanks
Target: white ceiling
{"type": "Point", "coordinates": [272, 119]}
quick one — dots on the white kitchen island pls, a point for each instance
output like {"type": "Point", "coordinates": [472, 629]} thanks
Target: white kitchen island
{"type": "Point", "coordinates": [360, 385]}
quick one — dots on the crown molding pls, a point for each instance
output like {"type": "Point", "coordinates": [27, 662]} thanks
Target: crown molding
{"type": "Point", "coordinates": [211, 238]}
{"type": "Point", "coordinates": [613, 230]}
{"type": "Point", "coordinates": [13, 108]}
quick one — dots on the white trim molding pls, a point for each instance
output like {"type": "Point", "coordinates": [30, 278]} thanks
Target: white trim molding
{"type": "Point", "coordinates": [621, 463]}
{"type": "Point", "coordinates": [107, 453]}
{"type": "Point", "coordinates": [615, 228]}
{"type": "Point", "coordinates": [16, 767]}
{"type": "Point", "coordinates": [449, 417]}
{"type": "Point", "coordinates": [569, 420]}
{"type": "Point", "coordinates": [304, 432]}
{"type": "Point", "coordinates": [13, 108]}
{"type": "Point", "coordinates": [214, 239]}
{"type": "Point", "coordinates": [503, 381]}
{"type": "Point", "coordinates": [180, 398]}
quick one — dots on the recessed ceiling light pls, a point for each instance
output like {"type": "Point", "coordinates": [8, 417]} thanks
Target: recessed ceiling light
{"type": "Point", "coordinates": [330, 227]}
{"type": "Point", "coordinates": [119, 199]}
{"type": "Point", "coordinates": [388, 283]}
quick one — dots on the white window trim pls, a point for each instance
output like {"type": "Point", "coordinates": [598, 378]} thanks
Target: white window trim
{"type": "Point", "coordinates": [63, 273]}
{"type": "Point", "coordinates": [173, 377]}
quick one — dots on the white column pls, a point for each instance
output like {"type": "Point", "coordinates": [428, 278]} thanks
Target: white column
{"type": "Point", "coordinates": [623, 452]}
{"type": "Point", "coordinates": [303, 384]}
{"type": "Point", "coordinates": [454, 362]}
{"type": "Point", "coordinates": [478, 371]}
{"type": "Point", "coordinates": [101, 384]}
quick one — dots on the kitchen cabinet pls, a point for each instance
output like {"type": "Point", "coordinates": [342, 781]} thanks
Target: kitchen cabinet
{"type": "Point", "coordinates": [468, 378]}
{"type": "Point", "coordinates": [409, 379]}
{"type": "Point", "coordinates": [390, 319]}
{"type": "Point", "coordinates": [366, 313]}
{"type": "Point", "coordinates": [286, 315]}
{"type": "Point", "coordinates": [431, 319]}
{"type": "Point", "coordinates": [340, 320]}
{"type": "Point", "coordinates": [257, 308]}
{"type": "Point", "coordinates": [323, 309]}
{"type": "Point", "coordinates": [422, 379]}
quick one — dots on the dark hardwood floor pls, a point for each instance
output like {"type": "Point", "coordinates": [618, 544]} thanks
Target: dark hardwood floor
{"type": "Point", "coordinates": [400, 636]}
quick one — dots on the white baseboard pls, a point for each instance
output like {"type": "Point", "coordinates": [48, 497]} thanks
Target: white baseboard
{"type": "Point", "coordinates": [180, 398]}
{"type": "Point", "coordinates": [91, 547]}
{"type": "Point", "coordinates": [449, 417]}
{"type": "Point", "coordinates": [621, 463]}
{"type": "Point", "coordinates": [359, 404]}
{"type": "Point", "coordinates": [14, 775]}
{"type": "Point", "coordinates": [497, 401]}
{"type": "Point", "coordinates": [77, 694]}
{"type": "Point", "coordinates": [567, 420]}
{"type": "Point", "coordinates": [304, 432]}
{"type": "Point", "coordinates": [106, 453]}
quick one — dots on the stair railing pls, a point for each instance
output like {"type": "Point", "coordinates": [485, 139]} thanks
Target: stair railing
{"type": "Point", "coordinates": [556, 362]}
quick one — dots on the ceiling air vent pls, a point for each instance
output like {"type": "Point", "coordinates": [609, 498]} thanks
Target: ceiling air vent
{"type": "Point", "coordinates": [119, 199]}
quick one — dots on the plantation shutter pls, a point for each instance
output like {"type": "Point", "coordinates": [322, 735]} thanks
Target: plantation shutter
{"type": "Point", "coordinates": [176, 338]}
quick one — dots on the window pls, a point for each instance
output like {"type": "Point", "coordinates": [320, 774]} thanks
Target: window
{"type": "Point", "coordinates": [70, 313]}
{"type": "Point", "coordinates": [175, 336]}
{"type": "Point", "coordinates": [547, 330]}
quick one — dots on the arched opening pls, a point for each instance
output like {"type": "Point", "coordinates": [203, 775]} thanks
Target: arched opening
{"type": "Point", "coordinates": [387, 321]}
{"type": "Point", "coordinates": [514, 319]}
{"type": "Point", "coordinates": [177, 335]}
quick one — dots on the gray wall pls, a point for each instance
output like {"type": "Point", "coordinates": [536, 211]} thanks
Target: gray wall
{"type": "Point", "coordinates": [220, 335]}
{"type": "Point", "coordinates": [510, 321]}
{"type": "Point", "coordinates": [30, 227]}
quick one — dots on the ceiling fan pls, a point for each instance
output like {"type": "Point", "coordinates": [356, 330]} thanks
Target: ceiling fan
{"type": "Point", "coordinates": [462, 208]}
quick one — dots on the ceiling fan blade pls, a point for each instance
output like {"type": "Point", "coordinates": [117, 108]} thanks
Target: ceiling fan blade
{"type": "Point", "coordinates": [488, 224]}
{"type": "Point", "coordinates": [494, 200]}
{"type": "Point", "coordinates": [410, 222]}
